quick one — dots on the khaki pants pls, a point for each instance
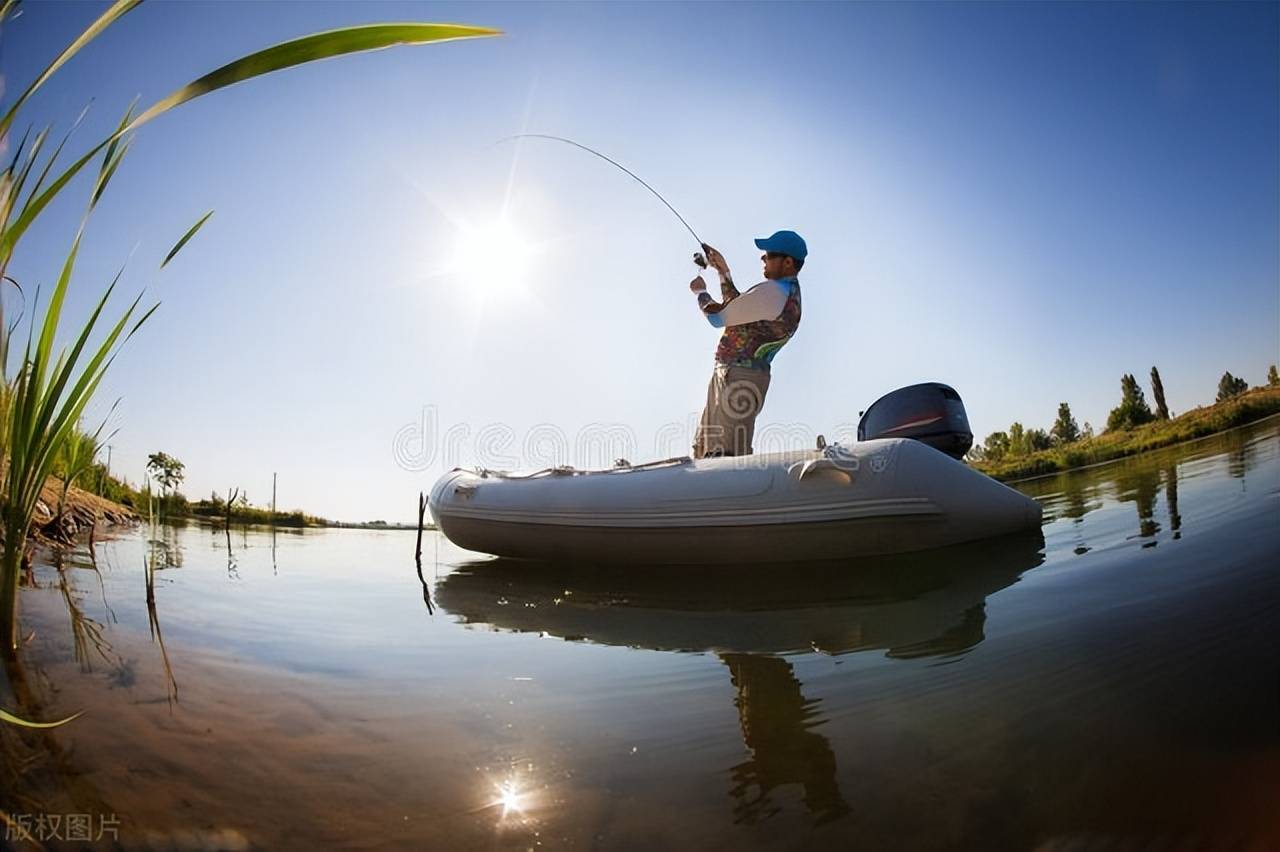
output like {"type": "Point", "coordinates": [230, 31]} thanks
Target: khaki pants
{"type": "Point", "coordinates": [735, 396]}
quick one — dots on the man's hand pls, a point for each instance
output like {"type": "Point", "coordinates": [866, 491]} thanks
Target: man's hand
{"type": "Point", "coordinates": [716, 260]}
{"type": "Point", "coordinates": [697, 285]}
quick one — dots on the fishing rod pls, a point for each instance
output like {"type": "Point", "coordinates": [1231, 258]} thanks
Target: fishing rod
{"type": "Point", "coordinates": [698, 257]}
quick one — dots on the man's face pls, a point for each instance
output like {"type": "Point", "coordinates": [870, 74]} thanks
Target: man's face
{"type": "Point", "coordinates": [777, 265]}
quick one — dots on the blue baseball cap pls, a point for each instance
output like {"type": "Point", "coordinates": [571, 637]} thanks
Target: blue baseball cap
{"type": "Point", "coordinates": [784, 242]}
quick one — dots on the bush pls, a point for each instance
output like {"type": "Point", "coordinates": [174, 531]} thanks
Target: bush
{"type": "Point", "coordinates": [1229, 386]}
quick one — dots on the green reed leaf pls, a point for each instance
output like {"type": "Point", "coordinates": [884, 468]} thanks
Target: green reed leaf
{"type": "Point", "coordinates": [14, 720]}
{"type": "Point", "coordinates": [185, 238]}
{"type": "Point", "coordinates": [309, 49]}
{"type": "Point", "coordinates": [106, 19]}
{"type": "Point", "coordinates": [285, 55]}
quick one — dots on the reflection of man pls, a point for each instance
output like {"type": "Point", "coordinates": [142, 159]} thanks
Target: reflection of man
{"type": "Point", "coordinates": [756, 325]}
{"type": "Point", "coordinates": [776, 724]}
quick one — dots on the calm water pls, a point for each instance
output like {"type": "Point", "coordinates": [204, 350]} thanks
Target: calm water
{"type": "Point", "coordinates": [1111, 684]}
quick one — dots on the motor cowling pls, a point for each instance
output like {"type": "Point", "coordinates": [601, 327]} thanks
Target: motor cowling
{"type": "Point", "coordinates": [931, 413]}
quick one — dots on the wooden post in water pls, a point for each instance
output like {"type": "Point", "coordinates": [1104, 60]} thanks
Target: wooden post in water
{"type": "Point", "coordinates": [422, 511]}
{"type": "Point", "coordinates": [273, 498]}
{"type": "Point", "coordinates": [417, 554]}
{"type": "Point", "coordinates": [232, 494]}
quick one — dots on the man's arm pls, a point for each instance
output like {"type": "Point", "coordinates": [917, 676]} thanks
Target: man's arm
{"type": "Point", "coordinates": [728, 292]}
{"type": "Point", "coordinates": [764, 301]}
{"type": "Point", "coordinates": [716, 260]}
{"type": "Point", "coordinates": [707, 304]}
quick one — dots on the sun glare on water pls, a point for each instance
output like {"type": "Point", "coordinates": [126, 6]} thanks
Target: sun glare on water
{"type": "Point", "coordinates": [513, 801]}
{"type": "Point", "coordinates": [510, 800]}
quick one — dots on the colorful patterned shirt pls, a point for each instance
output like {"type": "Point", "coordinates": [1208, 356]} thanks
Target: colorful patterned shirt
{"type": "Point", "coordinates": [756, 323]}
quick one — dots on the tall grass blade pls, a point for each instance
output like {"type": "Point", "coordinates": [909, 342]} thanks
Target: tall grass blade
{"type": "Point", "coordinates": [53, 313]}
{"type": "Point", "coordinates": [62, 414]}
{"type": "Point", "coordinates": [11, 181]}
{"type": "Point", "coordinates": [53, 158]}
{"type": "Point", "coordinates": [309, 49]}
{"type": "Point", "coordinates": [17, 153]}
{"type": "Point", "coordinates": [185, 238]}
{"type": "Point", "coordinates": [111, 160]}
{"type": "Point", "coordinates": [106, 19]}
{"type": "Point", "coordinates": [285, 55]}
{"type": "Point", "coordinates": [34, 206]}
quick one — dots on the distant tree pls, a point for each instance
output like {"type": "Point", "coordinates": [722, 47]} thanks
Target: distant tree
{"type": "Point", "coordinates": [166, 470]}
{"type": "Point", "coordinates": [1017, 440]}
{"type": "Point", "coordinates": [1023, 441]}
{"type": "Point", "coordinates": [1065, 430]}
{"type": "Point", "coordinates": [1132, 410]}
{"type": "Point", "coordinates": [996, 446]}
{"type": "Point", "coordinates": [1087, 432]}
{"type": "Point", "coordinates": [1229, 386]}
{"type": "Point", "coordinates": [1038, 439]}
{"type": "Point", "coordinates": [1273, 378]}
{"type": "Point", "coordinates": [1157, 391]}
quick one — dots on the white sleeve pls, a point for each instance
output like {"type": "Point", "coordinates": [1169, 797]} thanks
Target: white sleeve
{"type": "Point", "coordinates": [764, 301]}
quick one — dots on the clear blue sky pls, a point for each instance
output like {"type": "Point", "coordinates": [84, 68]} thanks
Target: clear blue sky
{"type": "Point", "coordinates": [1022, 200]}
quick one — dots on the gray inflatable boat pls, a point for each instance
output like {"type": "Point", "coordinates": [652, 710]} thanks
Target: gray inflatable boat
{"type": "Point", "coordinates": [877, 496]}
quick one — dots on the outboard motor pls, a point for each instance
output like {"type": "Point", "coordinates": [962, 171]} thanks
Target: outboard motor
{"type": "Point", "coordinates": [931, 413]}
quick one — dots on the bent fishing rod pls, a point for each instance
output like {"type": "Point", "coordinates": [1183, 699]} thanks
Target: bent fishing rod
{"type": "Point", "coordinates": [699, 258]}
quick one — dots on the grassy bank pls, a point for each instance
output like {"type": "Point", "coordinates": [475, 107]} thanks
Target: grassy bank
{"type": "Point", "coordinates": [1246, 408]}
{"type": "Point", "coordinates": [253, 516]}
{"type": "Point", "coordinates": [117, 501]}
{"type": "Point", "coordinates": [62, 516]}
{"type": "Point", "coordinates": [242, 514]}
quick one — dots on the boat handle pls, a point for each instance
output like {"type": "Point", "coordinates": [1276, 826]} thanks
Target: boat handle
{"type": "Point", "coordinates": [805, 468]}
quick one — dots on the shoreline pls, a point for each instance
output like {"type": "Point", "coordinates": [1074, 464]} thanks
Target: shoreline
{"type": "Point", "coordinates": [207, 520]}
{"type": "Point", "coordinates": [84, 509]}
{"type": "Point", "coordinates": [1254, 406]}
{"type": "Point", "coordinates": [1091, 466]}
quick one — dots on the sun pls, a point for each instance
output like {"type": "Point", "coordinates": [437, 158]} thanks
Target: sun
{"type": "Point", "coordinates": [494, 258]}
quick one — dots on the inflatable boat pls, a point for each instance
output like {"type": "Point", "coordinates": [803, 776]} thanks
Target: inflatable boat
{"type": "Point", "coordinates": [903, 488]}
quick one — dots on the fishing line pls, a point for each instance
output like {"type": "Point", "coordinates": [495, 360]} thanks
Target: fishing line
{"type": "Point", "coordinates": [613, 162]}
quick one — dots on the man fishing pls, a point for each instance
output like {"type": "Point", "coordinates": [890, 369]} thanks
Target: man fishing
{"type": "Point", "coordinates": [756, 325]}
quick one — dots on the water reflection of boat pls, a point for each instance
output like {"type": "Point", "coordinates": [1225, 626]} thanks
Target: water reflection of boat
{"type": "Point", "coordinates": [913, 605]}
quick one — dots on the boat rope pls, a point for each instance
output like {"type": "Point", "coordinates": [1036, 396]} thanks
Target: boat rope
{"type": "Point", "coordinates": [568, 470]}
